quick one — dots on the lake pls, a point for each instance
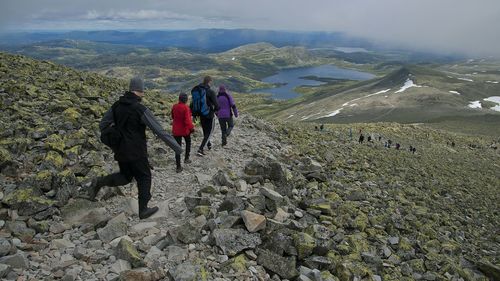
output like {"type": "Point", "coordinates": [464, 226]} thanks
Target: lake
{"type": "Point", "coordinates": [291, 78]}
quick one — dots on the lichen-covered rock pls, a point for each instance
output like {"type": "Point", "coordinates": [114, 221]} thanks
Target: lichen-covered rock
{"type": "Point", "coordinates": [304, 244]}
{"type": "Point", "coordinates": [283, 266]}
{"type": "Point", "coordinates": [27, 201]}
{"type": "Point", "coordinates": [127, 251]}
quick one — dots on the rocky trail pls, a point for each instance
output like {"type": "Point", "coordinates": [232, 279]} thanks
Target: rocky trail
{"type": "Point", "coordinates": [281, 202]}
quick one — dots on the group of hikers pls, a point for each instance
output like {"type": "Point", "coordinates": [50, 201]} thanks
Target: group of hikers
{"type": "Point", "coordinates": [123, 129]}
{"type": "Point", "coordinates": [387, 143]}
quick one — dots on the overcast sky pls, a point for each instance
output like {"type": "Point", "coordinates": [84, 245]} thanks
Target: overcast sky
{"type": "Point", "coordinates": [468, 26]}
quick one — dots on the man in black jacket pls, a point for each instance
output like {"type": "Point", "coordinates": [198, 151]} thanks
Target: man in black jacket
{"type": "Point", "coordinates": [207, 122]}
{"type": "Point", "coordinates": [131, 118]}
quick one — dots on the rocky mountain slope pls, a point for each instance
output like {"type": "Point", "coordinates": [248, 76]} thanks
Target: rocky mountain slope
{"type": "Point", "coordinates": [282, 202]}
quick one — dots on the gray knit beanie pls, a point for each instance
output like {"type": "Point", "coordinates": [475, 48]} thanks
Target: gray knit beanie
{"type": "Point", "coordinates": [136, 84]}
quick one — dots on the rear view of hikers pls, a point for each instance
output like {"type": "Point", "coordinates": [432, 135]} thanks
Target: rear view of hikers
{"type": "Point", "coordinates": [204, 105]}
{"type": "Point", "coordinates": [182, 127]}
{"type": "Point", "coordinates": [123, 128]}
{"type": "Point", "coordinates": [227, 109]}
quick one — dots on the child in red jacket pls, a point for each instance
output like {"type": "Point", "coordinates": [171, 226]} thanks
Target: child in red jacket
{"type": "Point", "coordinates": [182, 127]}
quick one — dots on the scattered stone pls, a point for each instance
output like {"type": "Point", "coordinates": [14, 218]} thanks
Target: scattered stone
{"type": "Point", "coordinates": [232, 203]}
{"type": "Point", "coordinates": [57, 228]}
{"type": "Point", "coordinates": [298, 214]}
{"type": "Point", "coordinates": [176, 254]}
{"type": "Point", "coordinates": [62, 244]}
{"type": "Point", "coordinates": [233, 241]}
{"type": "Point", "coordinates": [112, 231]}
{"type": "Point", "coordinates": [4, 270]}
{"type": "Point", "coordinates": [189, 232]}
{"type": "Point", "coordinates": [490, 270]}
{"type": "Point", "coordinates": [281, 215]}
{"type": "Point", "coordinates": [143, 227]}
{"type": "Point", "coordinates": [222, 179]}
{"type": "Point", "coordinates": [153, 255]}
{"type": "Point", "coordinates": [18, 260]}
{"type": "Point", "coordinates": [393, 240]}
{"type": "Point", "coordinates": [191, 202]}
{"type": "Point", "coordinates": [271, 194]}
{"type": "Point", "coordinates": [253, 222]}
{"type": "Point", "coordinates": [141, 274]}
{"type": "Point", "coordinates": [20, 230]}
{"type": "Point", "coordinates": [186, 272]}
{"type": "Point", "coordinates": [120, 265]}
{"type": "Point", "coordinates": [304, 244]}
{"type": "Point", "coordinates": [5, 247]}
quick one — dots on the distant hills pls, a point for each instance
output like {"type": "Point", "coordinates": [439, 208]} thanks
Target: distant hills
{"type": "Point", "coordinates": [411, 94]}
{"type": "Point", "coordinates": [210, 40]}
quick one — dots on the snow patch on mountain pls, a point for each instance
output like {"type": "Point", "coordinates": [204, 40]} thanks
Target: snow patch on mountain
{"type": "Point", "coordinates": [408, 84]}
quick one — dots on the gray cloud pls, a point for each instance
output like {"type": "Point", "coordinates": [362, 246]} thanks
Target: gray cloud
{"type": "Point", "coordinates": [462, 26]}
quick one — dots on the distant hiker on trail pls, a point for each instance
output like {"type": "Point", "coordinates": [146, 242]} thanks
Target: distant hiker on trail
{"type": "Point", "coordinates": [204, 105]}
{"type": "Point", "coordinates": [414, 150]}
{"type": "Point", "coordinates": [321, 127]}
{"type": "Point", "coordinates": [389, 142]}
{"type": "Point", "coordinates": [411, 148]}
{"type": "Point", "coordinates": [315, 128]}
{"type": "Point", "coordinates": [182, 127]}
{"type": "Point", "coordinates": [369, 138]}
{"type": "Point", "coordinates": [379, 138]}
{"type": "Point", "coordinates": [361, 138]}
{"type": "Point", "coordinates": [452, 144]}
{"type": "Point", "coordinates": [398, 146]}
{"type": "Point", "coordinates": [385, 145]}
{"type": "Point", "coordinates": [127, 120]}
{"type": "Point", "coordinates": [227, 108]}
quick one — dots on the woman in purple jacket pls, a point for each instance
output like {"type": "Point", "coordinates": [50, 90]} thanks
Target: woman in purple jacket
{"type": "Point", "coordinates": [227, 108]}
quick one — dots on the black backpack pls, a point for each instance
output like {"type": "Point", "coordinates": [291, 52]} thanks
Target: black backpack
{"type": "Point", "coordinates": [111, 135]}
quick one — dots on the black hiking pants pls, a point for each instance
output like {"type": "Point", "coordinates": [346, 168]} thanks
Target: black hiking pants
{"type": "Point", "coordinates": [226, 126]}
{"type": "Point", "coordinates": [207, 125]}
{"type": "Point", "coordinates": [187, 139]}
{"type": "Point", "coordinates": [138, 170]}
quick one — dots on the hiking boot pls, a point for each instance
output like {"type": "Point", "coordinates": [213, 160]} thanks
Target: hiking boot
{"type": "Point", "coordinates": [200, 153]}
{"type": "Point", "coordinates": [178, 170]}
{"type": "Point", "coordinates": [93, 189]}
{"type": "Point", "coordinates": [146, 213]}
{"type": "Point", "coordinates": [209, 146]}
{"type": "Point", "coordinates": [187, 161]}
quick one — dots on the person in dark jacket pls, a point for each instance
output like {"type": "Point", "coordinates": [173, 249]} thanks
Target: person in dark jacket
{"type": "Point", "coordinates": [131, 117]}
{"type": "Point", "coordinates": [182, 127]}
{"type": "Point", "coordinates": [227, 108]}
{"type": "Point", "coordinates": [361, 138]}
{"type": "Point", "coordinates": [207, 122]}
